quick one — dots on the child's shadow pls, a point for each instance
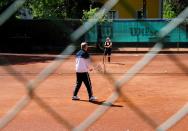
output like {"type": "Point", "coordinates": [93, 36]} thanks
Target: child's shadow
{"type": "Point", "coordinates": [103, 103]}
{"type": "Point", "coordinates": [117, 63]}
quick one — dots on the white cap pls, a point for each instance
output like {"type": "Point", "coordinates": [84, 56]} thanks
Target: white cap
{"type": "Point", "coordinates": [83, 44]}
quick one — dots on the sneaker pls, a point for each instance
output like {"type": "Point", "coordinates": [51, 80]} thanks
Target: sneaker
{"type": "Point", "coordinates": [75, 98]}
{"type": "Point", "coordinates": [91, 99]}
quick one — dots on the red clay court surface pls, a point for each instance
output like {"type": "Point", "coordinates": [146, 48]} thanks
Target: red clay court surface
{"type": "Point", "coordinates": [159, 91]}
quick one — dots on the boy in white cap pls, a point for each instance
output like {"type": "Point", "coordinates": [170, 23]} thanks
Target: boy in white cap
{"type": "Point", "coordinates": [82, 68]}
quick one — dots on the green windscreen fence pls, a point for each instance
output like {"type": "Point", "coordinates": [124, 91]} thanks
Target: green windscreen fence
{"type": "Point", "coordinates": [135, 31]}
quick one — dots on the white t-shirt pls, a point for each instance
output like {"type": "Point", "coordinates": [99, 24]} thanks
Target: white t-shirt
{"type": "Point", "coordinates": [82, 61]}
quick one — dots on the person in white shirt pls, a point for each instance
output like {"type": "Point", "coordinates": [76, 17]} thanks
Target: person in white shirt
{"type": "Point", "coordinates": [82, 75]}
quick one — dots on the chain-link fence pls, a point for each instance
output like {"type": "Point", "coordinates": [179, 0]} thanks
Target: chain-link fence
{"type": "Point", "coordinates": [117, 84]}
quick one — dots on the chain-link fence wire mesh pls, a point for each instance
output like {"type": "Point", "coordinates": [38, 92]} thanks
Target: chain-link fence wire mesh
{"type": "Point", "coordinates": [117, 84]}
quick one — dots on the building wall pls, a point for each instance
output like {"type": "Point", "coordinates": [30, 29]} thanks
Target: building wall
{"type": "Point", "coordinates": [129, 8]}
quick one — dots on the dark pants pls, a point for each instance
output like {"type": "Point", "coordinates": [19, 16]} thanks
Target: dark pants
{"type": "Point", "coordinates": [108, 51]}
{"type": "Point", "coordinates": [86, 79]}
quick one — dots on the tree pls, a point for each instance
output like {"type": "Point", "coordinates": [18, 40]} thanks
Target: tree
{"type": "Point", "coordinates": [173, 7]}
{"type": "Point", "coordinates": [53, 8]}
{"type": "Point", "coordinates": [179, 5]}
{"type": "Point", "coordinates": [57, 8]}
{"type": "Point", "coordinates": [168, 12]}
{"type": "Point", "coordinates": [4, 4]}
{"type": "Point", "coordinates": [47, 8]}
{"type": "Point", "coordinates": [74, 8]}
{"type": "Point", "coordinates": [91, 14]}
